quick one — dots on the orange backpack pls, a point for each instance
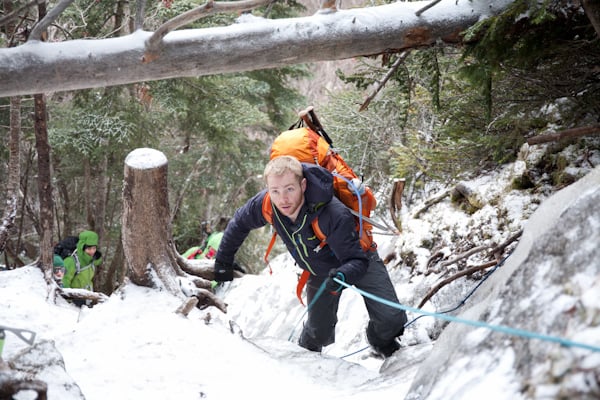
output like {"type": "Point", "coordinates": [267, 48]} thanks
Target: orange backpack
{"type": "Point", "coordinates": [311, 144]}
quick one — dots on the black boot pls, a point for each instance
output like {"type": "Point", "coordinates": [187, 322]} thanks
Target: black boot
{"type": "Point", "coordinates": [386, 350]}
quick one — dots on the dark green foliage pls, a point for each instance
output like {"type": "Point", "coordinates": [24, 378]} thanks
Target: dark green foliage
{"type": "Point", "coordinates": [521, 73]}
{"type": "Point", "coordinates": [224, 125]}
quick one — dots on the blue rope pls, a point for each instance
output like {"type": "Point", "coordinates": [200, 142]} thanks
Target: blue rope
{"type": "Point", "coordinates": [313, 301]}
{"type": "Point", "coordinates": [462, 302]}
{"type": "Point", "coordinates": [498, 328]}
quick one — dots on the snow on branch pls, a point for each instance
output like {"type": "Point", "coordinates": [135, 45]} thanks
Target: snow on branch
{"type": "Point", "coordinates": [253, 43]}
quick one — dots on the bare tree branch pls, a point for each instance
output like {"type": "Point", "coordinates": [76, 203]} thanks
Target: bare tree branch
{"type": "Point", "coordinates": [39, 28]}
{"type": "Point", "coordinates": [382, 83]}
{"type": "Point", "coordinates": [568, 133]}
{"type": "Point", "coordinates": [452, 278]}
{"type": "Point", "coordinates": [82, 294]}
{"type": "Point", "coordinates": [496, 252]}
{"type": "Point", "coordinates": [431, 201]}
{"type": "Point", "coordinates": [154, 43]}
{"type": "Point", "coordinates": [187, 306]}
{"type": "Point", "coordinates": [464, 255]}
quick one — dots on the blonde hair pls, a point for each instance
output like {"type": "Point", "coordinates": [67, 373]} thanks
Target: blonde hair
{"type": "Point", "coordinates": [283, 164]}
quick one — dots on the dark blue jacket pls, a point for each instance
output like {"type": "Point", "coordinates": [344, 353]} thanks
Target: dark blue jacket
{"type": "Point", "coordinates": [343, 250]}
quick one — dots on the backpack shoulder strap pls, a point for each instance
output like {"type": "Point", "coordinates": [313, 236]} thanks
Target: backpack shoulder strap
{"type": "Point", "coordinates": [267, 211]}
{"type": "Point", "coordinates": [318, 233]}
{"type": "Point", "coordinates": [77, 263]}
{"type": "Point", "coordinates": [267, 208]}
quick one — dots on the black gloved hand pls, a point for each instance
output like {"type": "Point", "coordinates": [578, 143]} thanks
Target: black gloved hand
{"type": "Point", "coordinates": [332, 286]}
{"type": "Point", "coordinates": [97, 255]}
{"type": "Point", "coordinates": [223, 271]}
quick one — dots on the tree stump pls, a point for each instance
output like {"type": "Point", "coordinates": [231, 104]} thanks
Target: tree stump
{"type": "Point", "coordinates": [146, 230]}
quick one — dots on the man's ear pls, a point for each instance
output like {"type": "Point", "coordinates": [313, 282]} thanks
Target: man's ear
{"type": "Point", "coordinates": [303, 184]}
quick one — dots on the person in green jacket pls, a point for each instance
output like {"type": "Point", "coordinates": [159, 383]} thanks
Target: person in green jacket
{"type": "Point", "coordinates": [209, 248]}
{"type": "Point", "coordinates": [58, 269]}
{"type": "Point", "coordinates": [81, 266]}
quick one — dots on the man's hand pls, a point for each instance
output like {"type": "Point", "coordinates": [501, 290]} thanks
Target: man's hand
{"type": "Point", "coordinates": [223, 271]}
{"type": "Point", "coordinates": [332, 286]}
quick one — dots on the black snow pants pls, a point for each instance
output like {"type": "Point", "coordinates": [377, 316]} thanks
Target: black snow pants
{"type": "Point", "coordinates": [385, 322]}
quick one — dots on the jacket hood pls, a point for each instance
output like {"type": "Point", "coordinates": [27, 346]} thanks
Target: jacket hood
{"type": "Point", "coordinates": [319, 187]}
{"type": "Point", "coordinates": [88, 238]}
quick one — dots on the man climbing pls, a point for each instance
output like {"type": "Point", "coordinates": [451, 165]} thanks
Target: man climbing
{"type": "Point", "coordinates": [300, 193]}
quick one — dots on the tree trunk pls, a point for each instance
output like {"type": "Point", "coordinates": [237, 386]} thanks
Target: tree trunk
{"type": "Point", "coordinates": [14, 156]}
{"type": "Point", "coordinates": [146, 226]}
{"type": "Point", "coordinates": [44, 185]}
{"type": "Point", "coordinates": [14, 172]}
{"type": "Point", "coordinates": [251, 44]}
{"type": "Point", "coordinates": [112, 274]}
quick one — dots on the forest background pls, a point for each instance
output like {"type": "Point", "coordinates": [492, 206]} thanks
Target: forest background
{"type": "Point", "coordinates": [434, 114]}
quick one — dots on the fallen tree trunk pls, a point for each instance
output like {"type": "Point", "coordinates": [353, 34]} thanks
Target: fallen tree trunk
{"type": "Point", "coordinates": [568, 133]}
{"type": "Point", "coordinates": [252, 44]}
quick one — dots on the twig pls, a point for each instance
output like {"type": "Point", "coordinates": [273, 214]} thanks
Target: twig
{"type": "Point", "coordinates": [427, 7]}
{"type": "Point", "coordinates": [208, 298]}
{"type": "Point", "coordinates": [187, 306]}
{"type": "Point", "coordinates": [154, 43]}
{"type": "Point", "coordinates": [464, 255]}
{"type": "Point", "coordinates": [382, 83]}
{"type": "Point", "coordinates": [431, 201]}
{"type": "Point", "coordinates": [496, 251]}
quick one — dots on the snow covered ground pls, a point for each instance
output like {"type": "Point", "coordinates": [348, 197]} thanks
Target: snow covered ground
{"type": "Point", "coordinates": [134, 346]}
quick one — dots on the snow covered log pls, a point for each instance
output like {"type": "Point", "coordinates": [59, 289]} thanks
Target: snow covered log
{"type": "Point", "coordinates": [252, 43]}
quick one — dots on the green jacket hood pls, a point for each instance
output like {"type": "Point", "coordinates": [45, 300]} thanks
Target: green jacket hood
{"type": "Point", "coordinates": [89, 238]}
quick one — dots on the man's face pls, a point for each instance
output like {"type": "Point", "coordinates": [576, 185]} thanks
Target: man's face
{"type": "Point", "coordinates": [287, 194]}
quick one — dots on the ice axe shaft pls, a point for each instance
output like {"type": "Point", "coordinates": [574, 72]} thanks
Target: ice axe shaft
{"type": "Point", "coordinates": [312, 121]}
